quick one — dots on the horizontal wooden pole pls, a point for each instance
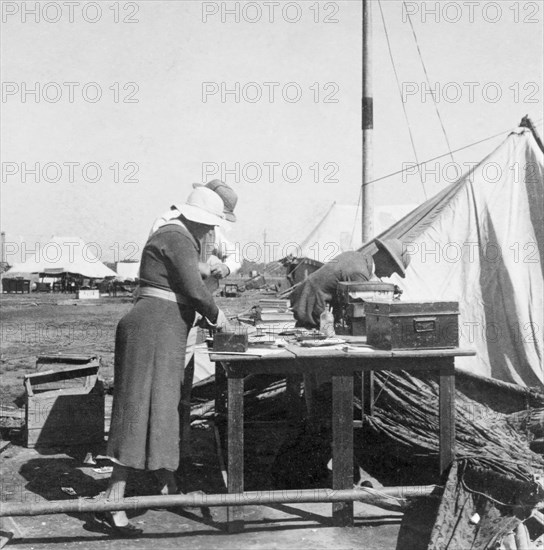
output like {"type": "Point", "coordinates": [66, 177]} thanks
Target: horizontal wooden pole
{"type": "Point", "coordinates": [251, 498]}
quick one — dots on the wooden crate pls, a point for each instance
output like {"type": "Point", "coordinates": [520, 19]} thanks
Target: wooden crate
{"type": "Point", "coordinates": [65, 406]}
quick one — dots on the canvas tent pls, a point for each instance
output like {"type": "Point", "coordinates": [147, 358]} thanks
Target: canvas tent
{"type": "Point", "coordinates": [339, 229]}
{"type": "Point", "coordinates": [63, 255]}
{"type": "Point", "coordinates": [127, 271]}
{"type": "Point", "coordinates": [481, 242]}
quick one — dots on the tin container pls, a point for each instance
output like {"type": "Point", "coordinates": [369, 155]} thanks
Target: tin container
{"type": "Point", "coordinates": [412, 325]}
{"type": "Point", "coordinates": [351, 298]}
{"type": "Point", "coordinates": [230, 341]}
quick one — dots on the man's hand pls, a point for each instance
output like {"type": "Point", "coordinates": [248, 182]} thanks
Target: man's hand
{"type": "Point", "coordinates": [219, 271]}
{"type": "Point", "coordinates": [204, 270]}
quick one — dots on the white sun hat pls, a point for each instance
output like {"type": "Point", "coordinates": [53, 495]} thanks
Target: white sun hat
{"type": "Point", "coordinates": [203, 206]}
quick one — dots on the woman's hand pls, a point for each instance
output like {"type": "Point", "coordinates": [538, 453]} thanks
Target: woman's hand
{"type": "Point", "coordinates": [222, 322]}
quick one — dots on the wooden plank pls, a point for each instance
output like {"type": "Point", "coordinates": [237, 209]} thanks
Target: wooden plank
{"type": "Point", "coordinates": [300, 352]}
{"type": "Point", "coordinates": [67, 374]}
{"type": "Point", "coordinates": [249, 356]}
{"type": "Point", "coordinates": [435, 352]}
{"type": "Point", "coordinates": [229, 355]}
{"type": "Point", "coordinates": [343, 364]}
{"type": "Point", "coordinates": [342, 446]}
{"type": "Point", "coordinates": [66, 358]}
{"type": "Point", "coordinates": [235, 446]}
{"type": "Point", "coordinates": [447, 413]}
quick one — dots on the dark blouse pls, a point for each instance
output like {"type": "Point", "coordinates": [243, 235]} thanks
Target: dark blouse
{"type": "Point", "coordinates": [310, 299]}
{"type": "Point", "coordinates": [170, 261]}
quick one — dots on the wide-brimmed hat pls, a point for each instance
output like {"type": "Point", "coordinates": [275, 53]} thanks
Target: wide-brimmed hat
{"type": "Point", "coordinates": [203, 206]}
{"type": "Point", "coordinates": [227, 194]}
{"type": "Point", "coordinates": [394, 249]}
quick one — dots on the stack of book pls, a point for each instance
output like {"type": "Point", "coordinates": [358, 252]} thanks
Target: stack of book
{"type": "Point", "coordinates": [270, 312]}
{"type": "Point", "coordinates": [272, 315]}
{"type": "Point", "coordinates": [274, 303]}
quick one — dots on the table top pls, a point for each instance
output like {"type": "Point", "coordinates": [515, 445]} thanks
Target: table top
{"type": "Point", "coordinates": [294, 352]}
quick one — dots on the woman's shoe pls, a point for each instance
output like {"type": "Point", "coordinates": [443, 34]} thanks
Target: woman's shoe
{"type": "Point", "coordinates": [129, 530]}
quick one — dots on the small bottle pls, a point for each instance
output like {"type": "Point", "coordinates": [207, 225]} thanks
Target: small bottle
{"type": "Point", "coordinates": [326, 323]}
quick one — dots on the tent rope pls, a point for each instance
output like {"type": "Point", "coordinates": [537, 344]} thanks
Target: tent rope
{"type": "Point", "coordinates": [359, 204]}
{"type": "Point", "coordinates": [399, 87]}
{"type": "Point", "coordinates": [442, 156]}
{"type": "Point", "coordinates": [428, 80]}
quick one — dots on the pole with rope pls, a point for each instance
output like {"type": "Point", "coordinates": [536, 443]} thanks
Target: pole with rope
{"type": "Point", "coordinates": [367, 191]}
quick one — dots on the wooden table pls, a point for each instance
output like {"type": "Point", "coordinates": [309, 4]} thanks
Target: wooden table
{"type": "Point", "coordinates": [340, 366]}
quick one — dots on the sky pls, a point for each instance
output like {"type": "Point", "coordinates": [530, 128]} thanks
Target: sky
{"type": "Point", "coordinates": [135, 101]}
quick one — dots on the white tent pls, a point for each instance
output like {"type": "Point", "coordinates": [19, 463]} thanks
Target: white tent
{"type": "Point", "coordinates": [481, 242]}
{"type": "Point", "coordinates": [63, 255]}
{"type": "Point", "coordinates": [127, 271]}
{"type": "Point", "coordinates": [339, 229]}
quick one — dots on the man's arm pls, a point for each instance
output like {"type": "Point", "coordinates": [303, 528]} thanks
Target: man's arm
{"type": "Point", "coordinates": [226, 252]}
{"type": "Point", "coordinates": [310, 300]}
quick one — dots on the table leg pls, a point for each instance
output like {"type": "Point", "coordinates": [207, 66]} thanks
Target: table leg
{"type": "Point", "coordinates": [235, 450]}
{"type": "Point", "coordinates": [447, 413]}
{"type": "Point", "coordinates": [342, 445]}
{"type": "Point", "coordinates": [220, 394]}
{"type": "Point", "coordinates": [367, 394]}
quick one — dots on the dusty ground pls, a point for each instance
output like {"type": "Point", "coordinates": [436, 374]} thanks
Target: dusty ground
{"type": "Point", "coordinates": [36, 324]}
{"type": "Point", "coordinates": [34, 477]}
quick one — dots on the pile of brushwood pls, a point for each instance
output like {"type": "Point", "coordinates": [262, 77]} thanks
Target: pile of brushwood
{"type": "Point", "coordinates": [494, 492]}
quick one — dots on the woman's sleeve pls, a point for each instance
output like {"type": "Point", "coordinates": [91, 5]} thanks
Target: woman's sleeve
{"type": "Point", "coordinates": [181, 259]}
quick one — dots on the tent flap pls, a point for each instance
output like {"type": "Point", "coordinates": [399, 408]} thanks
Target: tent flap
{"type": "Point", "coordinates": [481, 242]}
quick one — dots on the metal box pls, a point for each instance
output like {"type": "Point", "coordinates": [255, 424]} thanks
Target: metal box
{"type": "Point", "coordinates": [349, 293]}
{"type": "Point", "coordinates": [230, 290]}
{"type": "Point", "coordinates": [409, 325]}
{"type": "Point", "coordinates": [65, 406]}
{"type": "Point", "coordinates": [230, 341]}
{"type": "Point", "coordinates": [351, 298]}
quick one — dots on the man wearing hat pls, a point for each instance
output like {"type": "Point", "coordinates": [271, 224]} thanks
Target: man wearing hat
{"type": "Point", "coordinates": [310, 299]}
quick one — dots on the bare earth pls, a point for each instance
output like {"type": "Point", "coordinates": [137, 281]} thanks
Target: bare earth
{"type": "Point", "coordinates": [37, 324]}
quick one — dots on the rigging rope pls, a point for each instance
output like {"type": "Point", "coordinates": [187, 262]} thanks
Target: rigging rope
{"type": "Point", "coordinates": [428, 80]}
{"type": "Point", "coordinates": [359, 203]}
{"type": "Point", "coordinates": [442, 156]}
{"type": "Point", "coordinates": [400, 93]}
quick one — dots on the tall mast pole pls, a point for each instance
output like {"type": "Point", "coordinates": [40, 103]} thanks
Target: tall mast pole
{"type": "Point", "coordinates": [367, 192]}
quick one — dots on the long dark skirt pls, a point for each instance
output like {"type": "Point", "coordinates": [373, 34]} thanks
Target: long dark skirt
{"type": "Point", "coordinates": [149, 361]}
